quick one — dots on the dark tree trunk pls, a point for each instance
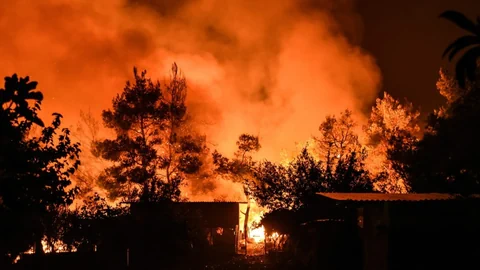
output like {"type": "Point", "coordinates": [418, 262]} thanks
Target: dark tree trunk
{"type": "Point", "coordinates": [245, 226]}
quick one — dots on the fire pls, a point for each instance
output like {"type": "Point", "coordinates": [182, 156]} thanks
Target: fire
{"type": "Point", "coordinates": [58, 247]}
{"type": "Point", "coordinates": [260, 74]}
{"type": "Point", "coordinates": [258, 234]}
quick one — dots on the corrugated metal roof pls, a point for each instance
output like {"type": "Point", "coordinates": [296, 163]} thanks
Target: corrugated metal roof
{"type": "Point", "coordinates": [188, 202]}
{"type": "Point", "coordinates": [328, 220]}
{"type": "Point", "coordinates": [412, 197]}
{"type": "Point", "coordinates": [214, 202]}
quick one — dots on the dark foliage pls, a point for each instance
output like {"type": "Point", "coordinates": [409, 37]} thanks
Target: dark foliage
{"type": "Point", "coordinates": [152, 152]}
{"type": "Point", "coordinates": [88, 226]}
{"type": "Point", "coordinates": [35, 169]}
{"type": "Point", "coordinates": [292, 186]}
{"type": "Point", "coordinates": [446, 159]}
{"type": "Point", "coordinates": [240, 167]}
{"type": "Point", "coordinates": [281, 221]}
{"type": "Point", "coordinates": [136, 117]}
{"type": "Point", "coordinates": [466, 66]}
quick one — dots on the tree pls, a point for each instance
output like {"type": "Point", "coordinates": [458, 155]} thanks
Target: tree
{"type": "Point", "coordinates": [350, 175]}
{"type": "Point", "coordinates": [240, 168]}
{"type": "Point", "coordinates": [276, 186]}
{"type": "Point", "coordinates": [152, 151]}
{"type": "Point", "coordinates": [35, 169]}
{"type": "Point", "coordinates": [183, 146]}
{"type": "Point", "coordinates": [445, 159]}
{"type": "Point", "coordinates": [342, 154]}
{"type": "Point", "coordinates": [85, 227]}
{"type": "Point", "coordinates": [292, 186]}
{"type": "Point", "coordinates": [86, 177]}
{"type": "Point", "coordinates": [135, 118]}
{"type": "Point", "coordinates": [467, 64]}
{"type": "Point", "coordinates": [391, 124]}
{"type": "Point", "coordinates": [337, 138]}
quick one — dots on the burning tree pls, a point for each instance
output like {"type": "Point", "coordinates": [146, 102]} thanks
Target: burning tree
{"type": "Point", "coordinates": [152, 152]}
{"type": "Point", "coordinates": [240, 168]}
{"type": "Point", "coordinates": [342, 155]}
{"type": "Point", "coordinates": [35, 169]}
{"type": "Point", "coordinates": [86, 177]}
{"type": "Point", "coordinates": [445, 159]}
{"type": "Point", "coordinates": [338, 138]}
{"type": "Point", "coordinates": [391, 125]}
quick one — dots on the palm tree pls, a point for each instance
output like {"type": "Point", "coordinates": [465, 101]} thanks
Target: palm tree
{"type": "Point", "coordinates": [467, 64]}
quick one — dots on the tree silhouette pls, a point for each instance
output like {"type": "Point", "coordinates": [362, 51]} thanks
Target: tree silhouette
{"type": "Point", "coordinates": [338, 138]}
{"type": "Point", "coordinates": [446, 158]}
{"type": "Point", "coordinates": [240, 167]}
{"type": "Point", "coordinates": [35, 169]}
{"type": "Point", "coordinates": [152, 150]}
{"type": "Point", "coordinates": [86, 227]}
{"type": "Point", "coordinates": [135, 118]}
{"type": "Point", "coordinates": [467, 64]}
{"type": "Point", "coordinates": [276, 186]}
{"type": "Point", "coordinates": [291, 186]}
{"type": "Point", "coordinates": [183, 146]}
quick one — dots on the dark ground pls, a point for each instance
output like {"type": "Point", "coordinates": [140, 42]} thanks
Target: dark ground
{"type": "Point", "coordinates": [253, 262]}
{"type": "Point", "coordinates": [181, 263]}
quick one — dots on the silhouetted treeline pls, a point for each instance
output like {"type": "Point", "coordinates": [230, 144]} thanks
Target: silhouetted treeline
{"type": "Point", "coordinates": [36, 162]}
{"type": "Point", "coordinates": [156, 149]}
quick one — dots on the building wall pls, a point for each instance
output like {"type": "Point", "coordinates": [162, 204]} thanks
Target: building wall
{"type": "Point", "coordinates": [168, 231]}
{"type": "Point", "coordinates": [419, 235]}
{"type": "Point", "coordinates": [374, 236]}
{"type": "Point", "coordinates": [433, 234]}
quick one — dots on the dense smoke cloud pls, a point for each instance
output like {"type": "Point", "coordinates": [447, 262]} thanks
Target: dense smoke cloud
{"type": "Point", "coordinates": [270, 68]}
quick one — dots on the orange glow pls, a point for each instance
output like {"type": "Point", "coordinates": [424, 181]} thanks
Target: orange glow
{"type": "Point", "coordinates": [58, 247]}
{"type": "Point", "coordinates": [275, 73]}
{"type": "Point", "coordinates": [258, 234]}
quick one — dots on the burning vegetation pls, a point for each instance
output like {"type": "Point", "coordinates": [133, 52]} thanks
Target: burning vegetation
{"type": "Point", "coordinates": [173, 140]}
{"type": "Point", "coordinates": [156, 154]}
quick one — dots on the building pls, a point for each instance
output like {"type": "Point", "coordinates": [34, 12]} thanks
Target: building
{"type": "Point", "coordinates": [183, 229]}
{"type": "Point", "coordinates": [408, 231]}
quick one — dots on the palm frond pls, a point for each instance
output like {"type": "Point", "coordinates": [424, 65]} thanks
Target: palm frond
{"type": "Point", "coordinates": [460, 20]}
{"type": "Point", "coordinates": [35, 95]}
{"type": "Point", "coordinates": [460, 44]}
{"type": "Point", "coordinates": [466, 67]}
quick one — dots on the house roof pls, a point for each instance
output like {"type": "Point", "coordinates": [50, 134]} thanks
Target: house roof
{"type": "Point", "coordinates": [189, 202]}
{"type": "Point", "coordinates": [382, 197]}
{"type": "Point", "coordinates": [327, 220]}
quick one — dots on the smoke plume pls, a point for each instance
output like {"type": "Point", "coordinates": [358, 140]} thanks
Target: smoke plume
{"type": "Point", "coordinates": [269, 68]}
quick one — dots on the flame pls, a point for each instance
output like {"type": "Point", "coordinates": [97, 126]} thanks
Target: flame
{"type": "Point", "coordinates": [258, 234]}
{"type": "Point", "coordinates": [264, 73]}
{"type": "Point", "coordinates": [58, 247]}
{"type": "Point", "coordinates": [273, 73]}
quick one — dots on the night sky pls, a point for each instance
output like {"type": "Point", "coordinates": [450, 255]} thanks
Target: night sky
{"type": "Point", "coordinates": [407, 38]}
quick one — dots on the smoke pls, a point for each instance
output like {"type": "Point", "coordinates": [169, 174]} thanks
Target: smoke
{"type": "Point", "coordinates": [269, 68]}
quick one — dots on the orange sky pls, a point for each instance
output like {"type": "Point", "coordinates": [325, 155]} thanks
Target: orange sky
{"type": "Point", "coordinates": [270, 68]}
